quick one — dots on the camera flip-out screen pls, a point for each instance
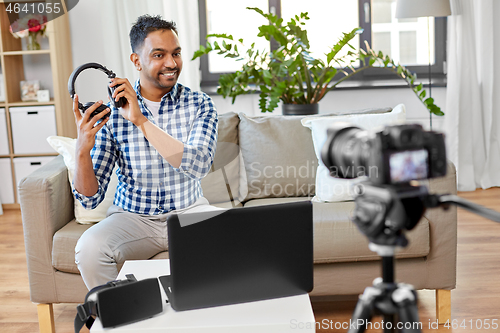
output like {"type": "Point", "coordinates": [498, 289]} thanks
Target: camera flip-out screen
{"type": "Point", "coordinates": [408, 165]}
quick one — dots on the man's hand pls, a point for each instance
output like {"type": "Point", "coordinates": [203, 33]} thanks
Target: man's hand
{"type": "Point", "coordinates": [84, 180]}
{"type": "Point", "coordinates": [86, 127]}
{"type": "Point", "coordinates": [131, 110]}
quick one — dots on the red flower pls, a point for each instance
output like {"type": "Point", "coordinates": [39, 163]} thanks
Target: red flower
{"type": "Point", "coordinates": [34, 25]}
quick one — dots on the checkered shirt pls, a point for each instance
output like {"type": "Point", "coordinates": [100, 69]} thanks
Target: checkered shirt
{"type": "Point", "coordinates": [147, 183]}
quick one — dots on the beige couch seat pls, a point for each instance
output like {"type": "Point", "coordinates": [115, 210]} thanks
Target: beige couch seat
{"type": "Point", "coordinates": [336, 238]}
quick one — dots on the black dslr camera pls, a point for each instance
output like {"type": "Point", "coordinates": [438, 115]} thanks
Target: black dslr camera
{"type": "Point", "coordinates": [395, 155]}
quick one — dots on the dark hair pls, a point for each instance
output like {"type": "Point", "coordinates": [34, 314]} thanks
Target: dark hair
{"type": "Point", "coordinates": [146, 24]}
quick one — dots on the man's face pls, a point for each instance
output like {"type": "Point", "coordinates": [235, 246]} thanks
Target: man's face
{"type": "Point", "coordinates": [160, 60]}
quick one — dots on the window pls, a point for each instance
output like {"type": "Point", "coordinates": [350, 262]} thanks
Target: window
{"type": "Point", "coordinates": [232, 17]}
{"type": "Point", "coordinates": [412, 42]}
{"type": "Point", "coordinates": [324, 30]}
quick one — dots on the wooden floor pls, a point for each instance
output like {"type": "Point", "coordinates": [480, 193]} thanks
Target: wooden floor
{"type": "Point", "coordinates": [475, 302]}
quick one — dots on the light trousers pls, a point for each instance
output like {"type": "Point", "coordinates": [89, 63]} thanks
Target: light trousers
{"type": "Point", "coordinates": [124, 236]}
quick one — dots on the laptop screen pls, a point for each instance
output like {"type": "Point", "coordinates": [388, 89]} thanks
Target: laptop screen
{"type": "Point", "coordinates": [240, 255]}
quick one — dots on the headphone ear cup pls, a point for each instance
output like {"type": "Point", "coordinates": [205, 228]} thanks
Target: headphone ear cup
{"type": "Point", "coordinates": [121, 100]}
{"type": "Point", "coordinates": [86, 106]}
{"type": "Point", "coordinates": [100, 108]}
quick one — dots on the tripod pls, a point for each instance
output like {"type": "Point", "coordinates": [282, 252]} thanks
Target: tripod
{"type": "Point", "coordinates": [387, 298]}
{"type": "Point", "coordinates": [382, 213]}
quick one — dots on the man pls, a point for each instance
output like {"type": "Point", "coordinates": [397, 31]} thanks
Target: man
{"type": "Point", "coordinates": [163, 141]}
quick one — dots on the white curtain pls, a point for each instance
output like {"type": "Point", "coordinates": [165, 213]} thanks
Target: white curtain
{"type": "Point", "coordinates": [116, 28]}
{"type": "Point", "coordinates": [472, 121]}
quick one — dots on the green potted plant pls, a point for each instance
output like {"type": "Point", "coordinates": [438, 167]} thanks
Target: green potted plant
{"type": "Point", "coordinates": [290, 73]}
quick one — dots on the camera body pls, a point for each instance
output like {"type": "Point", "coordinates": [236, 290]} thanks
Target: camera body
{"type": "Point", "coordinates": [396, 155]}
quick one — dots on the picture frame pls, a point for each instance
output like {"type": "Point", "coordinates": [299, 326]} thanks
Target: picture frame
{"type": "Point", "coordinates": [43, 96]}
{"type": "Point", "coordinates": [29, 90]}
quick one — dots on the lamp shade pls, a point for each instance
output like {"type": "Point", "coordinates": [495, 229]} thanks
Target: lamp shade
{"type": "Point", "coordinates": [422, 8]}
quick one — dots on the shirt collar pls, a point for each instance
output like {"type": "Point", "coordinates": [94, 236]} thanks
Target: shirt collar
{"type": "Point", "coordinates": [173, 94]}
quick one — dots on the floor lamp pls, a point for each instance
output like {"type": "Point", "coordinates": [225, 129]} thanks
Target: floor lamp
{"type": "Point", "coordinates": [424, 8]}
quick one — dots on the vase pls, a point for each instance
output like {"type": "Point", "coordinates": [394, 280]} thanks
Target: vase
{"type": "Point", "coordinates": [33, 41]}
{"type": "Point", "coordinates": [300, 109]}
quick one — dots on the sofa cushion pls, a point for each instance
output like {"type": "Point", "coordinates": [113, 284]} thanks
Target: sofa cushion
{"type": "Point", "coordinates": [63, 246]}
{"type": "Point", "coordinates": [279, 156]}
{"type": "Point", "coordinates": [222, 184]}
{"type": "Point", "coordinates": [228, 128]}
{"type": "Point", "coordinates": [328, 188]}
{"type": "Point", "coordinates": [337, 239]}
{"type": "Point", "coordinates": [228, 205]}
{"type": "Point", "coordinates": [274, 201]}
{"type": "Point", "coordinates": [65, 239]}
{"type": "Point", "coordinates": [66, 147]}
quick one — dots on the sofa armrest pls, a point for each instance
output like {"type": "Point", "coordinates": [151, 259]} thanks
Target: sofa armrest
{"type": "Point", "coordinates": [442, 258]}
{"type": "Point", "coordinates": [46, 206]}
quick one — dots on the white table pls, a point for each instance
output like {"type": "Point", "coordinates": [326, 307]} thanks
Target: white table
{"type": "Point", "coordinates": [287, 314]}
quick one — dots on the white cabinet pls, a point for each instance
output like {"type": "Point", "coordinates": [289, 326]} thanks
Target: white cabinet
{"type": "Point", "coordinates": [4, 139]}
{"type": "Point", "coordinates": [31, 126]}
{"type": "Point", "coordinates": [23, 166]}
{"type": "Point", "coordinates": [6, 189]}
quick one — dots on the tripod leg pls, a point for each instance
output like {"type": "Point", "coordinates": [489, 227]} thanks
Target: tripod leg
{"type": "Point", "coordinates": [389, 318]}
{"type": "Point", "coordinates": [405, 299]}
{"type": "Point", "coordinates": [364, 310]}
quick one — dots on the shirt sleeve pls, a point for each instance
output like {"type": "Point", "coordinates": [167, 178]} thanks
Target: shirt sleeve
{"type": "Point", "coordinates": [199, 150]}
{"type": "Point", "coordinates": [103, 159]}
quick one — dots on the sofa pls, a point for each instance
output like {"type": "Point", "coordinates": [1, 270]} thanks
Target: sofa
{"type": "Point", "coordinates": [259, 161]}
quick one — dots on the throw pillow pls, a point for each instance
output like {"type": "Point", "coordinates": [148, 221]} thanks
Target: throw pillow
{"type": "Point", "coordinates": [329, 189]}
{"type": "Point", "coordinates": [222, 184]}
{"type": "Point", "coordinates": [279, 156]}
{"type": "Point", "coordinates": [66, 147]}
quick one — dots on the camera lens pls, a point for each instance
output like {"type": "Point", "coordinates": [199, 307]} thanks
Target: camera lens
{"type": "Point", "coordinates": [345, 151]}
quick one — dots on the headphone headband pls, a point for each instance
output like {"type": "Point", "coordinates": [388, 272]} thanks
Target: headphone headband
{"type": "Point", "coordinates": [77, 71]}
{"type": "Point", "coordinates": [71, 88]}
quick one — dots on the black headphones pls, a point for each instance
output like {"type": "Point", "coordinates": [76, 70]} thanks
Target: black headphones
{"type": "Point", "coordinates": [84, 107]}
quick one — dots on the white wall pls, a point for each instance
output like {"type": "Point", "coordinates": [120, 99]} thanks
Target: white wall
{"type": "Point", "coordinates": [87, 45]}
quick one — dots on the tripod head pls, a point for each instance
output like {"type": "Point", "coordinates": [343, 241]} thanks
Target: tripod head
{"type": "Point", "coordinates": [383, 212]}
